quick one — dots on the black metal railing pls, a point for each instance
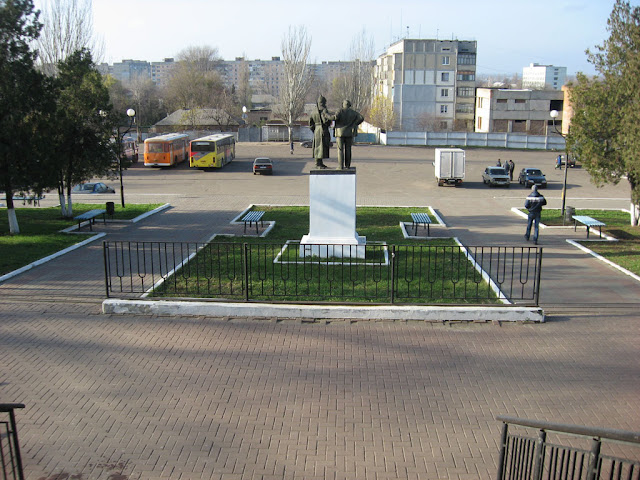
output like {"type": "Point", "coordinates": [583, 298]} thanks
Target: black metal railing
{"type": "Point", "coordinates": [374, 273]}
{"type": "Point", "coordinates": [11, 461]}
{"type": "Point", "coordinates": [561, 452]}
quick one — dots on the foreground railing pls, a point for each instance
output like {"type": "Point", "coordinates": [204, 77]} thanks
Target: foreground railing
{"type": "Point", "coordinates": [566, 452]}
{"type": "Point", "coordinates": [11, 461]}
{"type": "Point", "coordinates": [278, 272]}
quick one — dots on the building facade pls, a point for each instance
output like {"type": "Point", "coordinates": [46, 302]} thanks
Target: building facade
{"type": "Point", "coordinates": [430, 82]}
{"type": "Point", "coordinates": [521, 111]}
{"type": "Point", "coordinates": [543, 77]}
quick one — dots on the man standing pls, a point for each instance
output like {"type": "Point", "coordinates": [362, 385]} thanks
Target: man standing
{"type": "Point", "coordinates": [512, 167]}
{"type": "Point", "coordinates": [347, 121]}
{"type": "Point", "coordinates": [534, 203]}
{"type": "Point", "coordinates": [319, 122]}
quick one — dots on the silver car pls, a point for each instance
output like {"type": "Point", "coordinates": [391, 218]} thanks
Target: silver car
{"type": "Point", "coordinates": [494, 176]}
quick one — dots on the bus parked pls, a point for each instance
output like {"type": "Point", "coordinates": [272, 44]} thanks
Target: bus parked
{"type": "Point", "coordinates": [212, 151]}
{"type": "Point", "coordinates": [130, 149]}
{"type": "Point", "coordinates": [166, 150]}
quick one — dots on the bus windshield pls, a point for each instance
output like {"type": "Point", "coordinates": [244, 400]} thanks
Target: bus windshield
{"type": "Point", "coordinates": [203, 147]}
{"type": "Point", "coordinates": [155, 147]}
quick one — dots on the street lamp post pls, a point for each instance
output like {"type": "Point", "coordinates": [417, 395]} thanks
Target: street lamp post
{"type": "Point", "coordinates": [131, 113]}
{"type": "Point", "coordinates": [554, 115]}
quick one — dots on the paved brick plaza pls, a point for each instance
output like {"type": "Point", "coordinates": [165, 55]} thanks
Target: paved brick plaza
{"type": "Point", "coordinates": [135, 397]}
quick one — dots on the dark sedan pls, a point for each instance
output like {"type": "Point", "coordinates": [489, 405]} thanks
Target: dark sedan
{"type": "Point", "coordinates": [532, 176]}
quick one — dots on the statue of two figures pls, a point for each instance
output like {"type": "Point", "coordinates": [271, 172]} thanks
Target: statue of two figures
{"type": "Point", "coordinates": [346, 127]}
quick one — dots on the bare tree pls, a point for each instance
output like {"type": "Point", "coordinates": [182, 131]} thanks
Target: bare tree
{"type": "Point", "coordinates": [296, 45]}
{"type": "Point", "coordinates": [67, 28]}
{"type": "Point", "coordinates": [356, 84]}
{"type": "Point", "coordinates": [381, 113]}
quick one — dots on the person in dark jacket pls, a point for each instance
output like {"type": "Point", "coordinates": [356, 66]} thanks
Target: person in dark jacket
{"type": "Point", "coordinates": [534, 203]}
{"type": "Point", "coordinates": [512, 167]}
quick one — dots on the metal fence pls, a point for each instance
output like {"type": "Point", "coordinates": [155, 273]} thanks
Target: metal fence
{"type": "Point", "coordinates": [474, 139]}
{"type": "Point", "coordinates": [10, 459]}
{"type": "Point", "coordinates": [281, 272]}
{"type": "Point", "coordinates": [566, 452]}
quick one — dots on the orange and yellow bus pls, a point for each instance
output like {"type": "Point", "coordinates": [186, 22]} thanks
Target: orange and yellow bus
{"type": "Point", "coordinates": [213, 151]}
{"type": "Point", "coordinates": [166, 150]}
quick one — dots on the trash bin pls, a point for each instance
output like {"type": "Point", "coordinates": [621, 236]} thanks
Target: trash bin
{"type": "Point", "coordinates": [568, 213]}
{"type": "Point", "coordinates": [111, 209]}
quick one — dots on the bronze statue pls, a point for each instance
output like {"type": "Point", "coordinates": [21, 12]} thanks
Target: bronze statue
{"type": "Point", "coordinates": [319, 122]}
{"type": "Point", "coordinates": [347, 121]}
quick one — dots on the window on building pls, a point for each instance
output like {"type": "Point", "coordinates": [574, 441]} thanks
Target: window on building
{"type": "Point", "coordinates": [466, 91]}
{"type": "Point", "coordinates": [446, 60]}
{"type": "Point", "coordinates": [466, 59]}
{"type": "Point", "coordinates": [480, 102]}
{"type": "Point", "coordinates": [556, 105]}
{"type": "Point", "coordinates": [466, 76]}
{"type": "Point", "coordinates": [444, 125]}
{"type": "Point", "coordinates": [520, 100]}
{"type": "Point", "coordinates": [479, 123]}
{"type": "Point", "coordinates": [444, 92]}
{"type": "Point", "coordinates": [444, 76]}
{"type": "Point", "coordinates": [501, 100]}
{"type": "Point", "coordinates": [444, 108]}
{"type": "Point", "coordinates": [464, 108]}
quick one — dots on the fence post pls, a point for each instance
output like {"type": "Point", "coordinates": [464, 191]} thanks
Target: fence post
{"type": "Point", "coordinates": [538, 277]}
{"type": "Point", "coordinates": [106, 268]}
{"type": "Point", "coordinates": [539, 460]}
{"type": "Point", "coordinates": [503, 450]}
{"type": "Point", "coordinates": [594, 459]}
{"type": "Point", "coordinates": [393, 273]}
{"type": "Point", "coordinates": [245, 259]}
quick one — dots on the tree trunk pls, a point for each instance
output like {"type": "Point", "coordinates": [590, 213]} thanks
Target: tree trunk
{"type": "Point", "coordinates": [63, 204]}
{"type": "Point", "coordinates": [69, 206]}
{"type": "Point", "coordinates": [635, 214]}
{"type": "Point", "coordinates": [14, 228]}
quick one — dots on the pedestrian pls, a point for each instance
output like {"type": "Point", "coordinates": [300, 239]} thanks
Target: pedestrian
{"type": "Point", "coordinates": [534, 203]}
{"type": "Point", "coordinates": [559, 162]}
{"type": "Point", "coordinates": [499, 164]}
{"type": "Point", "coordinates": [512, 167]}
{"type": "Point", "coordinates": [506, 167]}
{"type": "Point", "coordinates": [291, 146]}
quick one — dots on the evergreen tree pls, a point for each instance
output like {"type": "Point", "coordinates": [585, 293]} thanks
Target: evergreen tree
{"type": "Point", "coordinates": [605, 127]}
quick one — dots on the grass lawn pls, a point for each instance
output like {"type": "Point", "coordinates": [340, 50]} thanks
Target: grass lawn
{"type": "Point", "coordinates": [430, 270]}
{"type": "Point", "coordinates": [40, 232]}
{"type": "Point", "coordinates": [625, 252]}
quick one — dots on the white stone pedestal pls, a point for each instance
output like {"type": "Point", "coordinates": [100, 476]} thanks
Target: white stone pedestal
{"type": "Point", "coordinates": [332, 216]}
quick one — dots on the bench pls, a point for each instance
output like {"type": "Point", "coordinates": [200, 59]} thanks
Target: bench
{"type": "Point", "coordinates": [420, 219]}
{"type": "Point", "coordinates": [91, 217]}
{"type": "Point", "coordinates": [587, 222]}
{"type": "Point", "coordinates": [253, 217]}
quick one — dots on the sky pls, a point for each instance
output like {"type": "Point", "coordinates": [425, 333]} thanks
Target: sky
{"type": "Point", "coordinates": [510, 34]}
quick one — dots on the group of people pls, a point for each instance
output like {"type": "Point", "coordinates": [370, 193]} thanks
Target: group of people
{"type": "Point", "coordinates": [346, 128]}
{"type": "Point", "coordinates": [509, 167]}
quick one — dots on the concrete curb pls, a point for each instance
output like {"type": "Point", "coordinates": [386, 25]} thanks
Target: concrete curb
{"type": "Point", "coordinates": [576, 243]}
{"type": "Point", "coordinates": [435, 314]}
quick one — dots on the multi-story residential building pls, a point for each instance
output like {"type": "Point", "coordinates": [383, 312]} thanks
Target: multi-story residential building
{"type": "Point", "coordinates": [161, 71]}
{"type": "Point", "coordinates": [127, 70]}
{"type": "Point", "coordinates": [525, 111]}
{"type": "Point", "coordinates": [543, 77]}
{"type": "Point", "coordinates": [263, 76]}
{"type": "Point", "coordinates": [430, 82]}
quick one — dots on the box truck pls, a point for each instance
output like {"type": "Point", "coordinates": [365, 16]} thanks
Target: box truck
{"type": "Point", "coordinates": [449, 165]}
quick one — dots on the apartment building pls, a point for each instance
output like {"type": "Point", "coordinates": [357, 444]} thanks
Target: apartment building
{"type": "Point", "coordinates": [430, 82]}
{"type": "Point", "coordinates": [543, 77]}
{"type": "Point", "coordinates": [524, 111]}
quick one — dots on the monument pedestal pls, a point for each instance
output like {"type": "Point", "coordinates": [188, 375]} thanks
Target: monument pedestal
{"type": "Point", "coordinates": [332, 216]}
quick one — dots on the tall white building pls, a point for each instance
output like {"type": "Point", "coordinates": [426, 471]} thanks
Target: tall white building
{"type": "Point", "coordinates": [543, 77]}
{"type": "Point", "coordinates": [430, 82]}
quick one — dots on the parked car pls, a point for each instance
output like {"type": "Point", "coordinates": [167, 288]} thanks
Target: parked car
{"type": "Point", "coordinates": [97, 187]}
{"type": "Point", "coordinates": [531, 176]}
{"type": "Point", "coordinates": [494, 176]}
{"type": "Point", "coordinates": [263, 165]}
{"type": "Point", "coordinates": [309, 144]}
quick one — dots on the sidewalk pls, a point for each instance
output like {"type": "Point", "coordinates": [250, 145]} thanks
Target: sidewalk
{"type": "Point", "coordinates": [136, 397]}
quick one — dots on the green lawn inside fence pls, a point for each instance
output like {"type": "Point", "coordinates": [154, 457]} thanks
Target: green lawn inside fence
{"type": "Point", "coordinates": [40, 232]}
{"type": "Point", "coordinates": [625, 252]}
{"type": "Point", "coordinates": [431, 271]}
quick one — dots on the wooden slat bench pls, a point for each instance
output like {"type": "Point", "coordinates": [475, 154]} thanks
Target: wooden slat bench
{"type": "Point", "coordinates": [420, 219]}
{"type": "Point", "coordinates": [253, 217]}
{"type": "Point", "coordinates": [90, 216]}
{"type": "Point", "coordinates": [587, 222]}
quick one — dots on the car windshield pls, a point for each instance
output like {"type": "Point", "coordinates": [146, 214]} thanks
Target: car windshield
{"type": "Point", "coordinates": [533, 171]}
{"type": "Point", "coordinates": [497, 171]}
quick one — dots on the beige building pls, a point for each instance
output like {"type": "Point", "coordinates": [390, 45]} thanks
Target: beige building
{"type": "Point", "coordinates": [523, 111]}
{"type": "Point", "coordinates": [430, 82]}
